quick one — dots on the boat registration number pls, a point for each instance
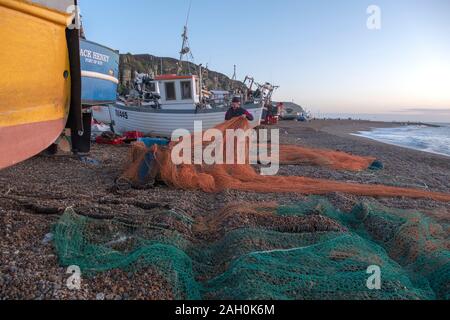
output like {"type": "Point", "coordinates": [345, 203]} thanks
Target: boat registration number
{"type": "Point", "coordinates": [122, 114]}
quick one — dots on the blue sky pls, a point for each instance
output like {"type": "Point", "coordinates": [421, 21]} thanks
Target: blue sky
{"type": "Point", "coordinates": [320, 52]}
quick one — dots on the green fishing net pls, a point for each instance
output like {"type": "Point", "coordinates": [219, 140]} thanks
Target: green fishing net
{"type": "Point", "coordinates": [292, 257]}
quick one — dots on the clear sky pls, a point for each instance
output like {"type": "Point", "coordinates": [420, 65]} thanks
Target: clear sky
{"type": "Point", "coordinates": [320, 52]}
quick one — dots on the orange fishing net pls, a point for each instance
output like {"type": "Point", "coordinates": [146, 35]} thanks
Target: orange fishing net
{"type": "Point", "coordinates": [219, 177]}
{"type": "Point", "coordinates": [292, 155]}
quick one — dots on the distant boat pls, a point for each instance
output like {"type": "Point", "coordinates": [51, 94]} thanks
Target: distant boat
{"type": "Point", "coordinates": [35, 86]}
{"type": "Point", "coordinates": [176, 104]}
{"type": "Point", "coordinates": [99, 73]}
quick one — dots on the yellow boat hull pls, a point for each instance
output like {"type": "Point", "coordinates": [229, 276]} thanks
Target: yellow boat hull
{"type": "Point", "coordinates": [35, 79]}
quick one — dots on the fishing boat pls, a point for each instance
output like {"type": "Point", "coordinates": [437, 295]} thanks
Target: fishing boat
{"type": "Point", "coordinates": [99, 73]}
{"type": "Point", "coordinates": [37, 76]}
{"type": "Point", "coordinates": [158, 106]}
{"type": "Point", "coordinates": [67, 77]}
{"type": "Point", "coordinates": [175, 102]}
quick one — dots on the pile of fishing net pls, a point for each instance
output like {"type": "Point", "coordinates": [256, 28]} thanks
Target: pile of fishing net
{"type": "Point", "coordinates": [310, 250]}
{"type": "Point", "coordinates": [146, 165]}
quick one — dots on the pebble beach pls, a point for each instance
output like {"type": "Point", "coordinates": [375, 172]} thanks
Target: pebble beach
{"type": "Point", "coordinates": [34, 194]}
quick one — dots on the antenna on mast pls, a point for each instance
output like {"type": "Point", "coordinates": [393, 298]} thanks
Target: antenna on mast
{"type": "Point", "coordinates": [185, 47]}
{"type": "Point", "coordinates": [234, 74]}
{"type": "Point", "coordinates": [189, 13]}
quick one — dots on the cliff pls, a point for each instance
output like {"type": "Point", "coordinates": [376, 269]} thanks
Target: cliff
{"type": "Point", "coordinates": [146, 63]}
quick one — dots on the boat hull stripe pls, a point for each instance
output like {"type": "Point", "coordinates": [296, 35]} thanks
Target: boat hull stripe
{"type": "Point", "coordinates": [179, 111]}
{"type": "Point", "coordinates": [97, 75]}
{"type": "Point", "coordinates": [18, 143]}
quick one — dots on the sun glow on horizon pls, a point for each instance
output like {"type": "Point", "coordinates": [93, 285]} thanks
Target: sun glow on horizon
{"type": "Point", "coordinates": [430, 81]}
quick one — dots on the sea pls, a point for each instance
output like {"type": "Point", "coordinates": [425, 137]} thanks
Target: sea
{"type": "Point", "coordinates": [418, 137]}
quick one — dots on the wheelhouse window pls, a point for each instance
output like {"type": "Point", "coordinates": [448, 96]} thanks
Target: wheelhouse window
{"type": "Point", "coordinates": [170, 91]}
{"type": "Point", "coordinates": [186, 90]}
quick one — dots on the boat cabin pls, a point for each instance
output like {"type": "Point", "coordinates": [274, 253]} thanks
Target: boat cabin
{"type": "Point", "coordinates": [177, 92]}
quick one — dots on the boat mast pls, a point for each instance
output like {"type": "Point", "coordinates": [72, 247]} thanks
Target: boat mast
{"type": "Point", "coordinates": [185, 47]}
{"type": "Point", "coordinates": [200, 72]}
